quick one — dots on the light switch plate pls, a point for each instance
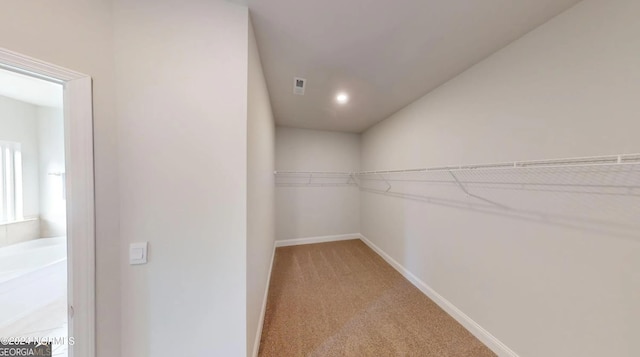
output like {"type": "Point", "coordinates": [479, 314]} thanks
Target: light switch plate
{"type": "Point", "coordinates": [138, 253]}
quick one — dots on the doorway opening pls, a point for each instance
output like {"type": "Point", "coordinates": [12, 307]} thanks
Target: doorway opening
{"type": "Point", "coordinates": [47, 233]}
{"type": "Point", "coordinates": [33, 227]}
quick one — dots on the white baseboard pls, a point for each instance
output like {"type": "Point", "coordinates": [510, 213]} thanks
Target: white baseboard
{"type": "Point", "coordinates": [312, 240]}
{"type": "Point", "coordinates": [483, 335]}
{"type": "Point", "coordinates": [256, 343]}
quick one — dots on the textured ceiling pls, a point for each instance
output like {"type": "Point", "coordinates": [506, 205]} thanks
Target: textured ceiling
{"type": "Point", "coordinates": [385, 54]}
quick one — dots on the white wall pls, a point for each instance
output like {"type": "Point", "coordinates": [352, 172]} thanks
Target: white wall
{"type": "Point", "coordinates": [260, 193]}
{"type": "Point", "coordinates": [316, 211]}
{"type": "Point", "coordinates": [181, 70]}
{"type": "Point", "coordinates": [53, 215]}
{"type": "Point", "coordinates": [18, 123]}
{"type": "Point", "coordinates": [78, 34]}
{"type": "Point", "coordinates": [567, 89]}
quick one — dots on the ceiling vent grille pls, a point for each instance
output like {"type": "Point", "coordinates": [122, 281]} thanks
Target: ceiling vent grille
{"type": "Point", "coordinates": [299, 85]}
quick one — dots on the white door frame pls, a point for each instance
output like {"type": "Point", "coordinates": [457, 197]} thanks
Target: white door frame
{"type": "Point", "coordinates": [78, 120]}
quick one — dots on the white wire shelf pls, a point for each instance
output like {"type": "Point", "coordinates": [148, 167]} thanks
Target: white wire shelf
{"type": "Point", "coordinates": [314, 179]}
{"type": "Point", "coordinates": [599, 193]}
{"type": "Point", "coordinates": [574, 172]}
{"type": "Point", "coordinates": [616, 175]}
{"type": "Point", "coordinates": [567, 162]}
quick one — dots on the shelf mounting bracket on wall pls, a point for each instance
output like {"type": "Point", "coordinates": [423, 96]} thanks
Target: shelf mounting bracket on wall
{"type": "Point", "coordinates": [469, 194]}
{"type": "Point", "coordinates": [387, 182]}
{"type": "Point", "coordinates": [351, 180]}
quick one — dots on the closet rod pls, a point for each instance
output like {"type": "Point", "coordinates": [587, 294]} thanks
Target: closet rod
{"type": "Point", "coordinates": [568, 162]}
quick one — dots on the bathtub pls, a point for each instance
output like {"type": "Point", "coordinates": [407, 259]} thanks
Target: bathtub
{"type": "Point", "coordinates": [33, 274]}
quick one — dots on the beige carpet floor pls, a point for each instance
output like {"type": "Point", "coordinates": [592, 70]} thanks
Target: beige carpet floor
{"type": "Point", "coordinates": [342, 299]}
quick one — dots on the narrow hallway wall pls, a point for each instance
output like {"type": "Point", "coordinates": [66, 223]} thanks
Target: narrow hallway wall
{"type": "Point", "coordinates": [260, 194]}
{"type": "Point", "coordinates": [181, 70]}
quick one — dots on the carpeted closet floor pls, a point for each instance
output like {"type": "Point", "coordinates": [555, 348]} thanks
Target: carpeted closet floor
{"type": "Point", "coordinates": [342, 299]}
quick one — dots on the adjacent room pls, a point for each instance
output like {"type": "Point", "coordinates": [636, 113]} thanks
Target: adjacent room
{"type": "Point", "coordinates": [289, 178]}
{"type": "Point", "coordinates": [33, 244]}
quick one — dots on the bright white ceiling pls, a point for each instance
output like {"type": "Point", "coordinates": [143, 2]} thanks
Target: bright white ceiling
{"type": "Point", "coordinates": [385, 54]}
{"type": "Point", "coordinates": [29, 89]}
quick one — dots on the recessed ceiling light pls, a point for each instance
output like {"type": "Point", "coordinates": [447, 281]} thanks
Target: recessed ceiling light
{"type": "Point", "coordinates": [342, 98]}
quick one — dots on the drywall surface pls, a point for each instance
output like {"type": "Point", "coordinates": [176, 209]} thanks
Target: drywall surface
{"type": "Point", "coordinates": [53, 217]}
{"type": "Point", "coordinates": [569, 88]}
{"type": "Point", "coordinates": [260, 193]}
{"type": "Point", "coordinates": [181, 73]}
{"type": "Point", "coordinates": [79, 35]}
{"type": "Point", "coordinates": [310, 211]}
{"type": "Point", "coordinates": [19, 124]}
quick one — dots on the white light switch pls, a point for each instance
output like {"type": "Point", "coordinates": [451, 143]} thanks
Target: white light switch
{"type": "Point", "coordinates": [138, 253]}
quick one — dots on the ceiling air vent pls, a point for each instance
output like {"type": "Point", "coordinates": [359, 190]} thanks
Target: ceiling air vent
{"type": "Point", "coordinates": [298, 85]}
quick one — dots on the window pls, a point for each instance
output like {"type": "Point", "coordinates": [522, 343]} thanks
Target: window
{"type": "Point", "coordinates": [10, 182]}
